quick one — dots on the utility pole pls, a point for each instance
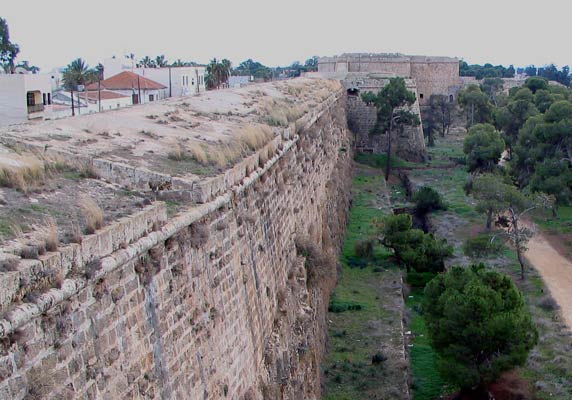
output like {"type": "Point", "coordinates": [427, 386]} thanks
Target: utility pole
{"type": "Point", "coordinates": [73, 108]}
{"type": "Point", "coordinates": [99, 94]}
{"type": "Point", "coordinates": [139, 89]}
{"type": "Point", "coordinates": [170, 92]}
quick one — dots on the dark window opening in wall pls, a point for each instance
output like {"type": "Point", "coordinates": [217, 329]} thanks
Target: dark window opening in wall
{"type": "Point", "coordinates": [451, 98]}
{"type": "Point", "coordinates": [420, 95]}
{"type": "Point", "coordinates": [44, 99]}
{"type": "Point", "coordinates": [151, 97]}
{"type": "Point", "coordinates": [353, 92]}
{"type": "Point", "coordinates": [31, 101]}
{"type": "Point", "coordinates": [49, 98]}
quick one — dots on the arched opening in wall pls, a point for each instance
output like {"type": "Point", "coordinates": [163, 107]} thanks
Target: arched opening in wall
{"type": "Point", "coordinates": [353, 92]}
{"type": "Point", "coordinates": [451, 98]}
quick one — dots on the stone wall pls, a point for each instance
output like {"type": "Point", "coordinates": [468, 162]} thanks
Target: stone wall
{"type": "Point", "coordinates": [215, 303]}
{"type": "Point", "coordinates": [409, 144]}
{"type": "Point", "coordinates": [433, 75]}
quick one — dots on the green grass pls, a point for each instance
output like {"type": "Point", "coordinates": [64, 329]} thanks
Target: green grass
{"type": "Point", "coordinates": [562, 224]}
{"type": "Point", "coordinates": [366, 318]}
{"type": "Point", "coordinates": [380, 160]}
{"type": "Point", "coordinates": [427, 381]}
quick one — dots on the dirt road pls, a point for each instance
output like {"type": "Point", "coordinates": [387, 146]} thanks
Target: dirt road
{"type": "Point", "coordinates": [556, 271]}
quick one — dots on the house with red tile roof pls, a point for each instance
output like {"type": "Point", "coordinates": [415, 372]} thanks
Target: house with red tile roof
{"type": "Point", "coordinates": [139, 88]}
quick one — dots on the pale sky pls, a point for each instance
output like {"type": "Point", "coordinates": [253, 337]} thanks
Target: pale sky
{"type": "Point", "coordinates": [53, 33]}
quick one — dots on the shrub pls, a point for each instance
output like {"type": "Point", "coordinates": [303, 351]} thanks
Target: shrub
{"type": "Point", "coordinates": [479, 325]}
{"type": "Point", "coordinates": [338, 306]}
{"type": "Point", "coordinates": [419, 279]}
{"type": "Point", "coordinates": [419, 251]}
{"type": "Point", "coordinates": [548, 304]}
{"type": "Point", "coordinates": [428, 199]}
{"type": "Point", "coordinates": [364, 249]}
{"type": "Point", "coordinates": [482, 245]}
{"type": "Point", "coordinates": [319, 264]}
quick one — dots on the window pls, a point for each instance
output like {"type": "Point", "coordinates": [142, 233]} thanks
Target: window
{"type": "Point", "coordinates": [421, 95]}
{"type": "Point", "coordinates": [193, 81]}
{"type": "Point", "coordinates": [30, 99]}
{"type": "Point", "coordinates": [451, 98]}
{"type": "Point", "coordinates": [49, 98]}
{"type": "Point", "coordinates": [151, 97]}
{"type": "Point", "coordinates": [45, 100]}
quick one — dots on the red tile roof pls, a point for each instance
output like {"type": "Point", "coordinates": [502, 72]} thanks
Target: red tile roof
{"type": "Point", "coordinates": [105, 95]}
{"type": "Point", "coordinates": [125, 81]}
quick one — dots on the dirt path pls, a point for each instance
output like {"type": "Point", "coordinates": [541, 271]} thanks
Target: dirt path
{"type": "Point", "coordinates": [556, 271]}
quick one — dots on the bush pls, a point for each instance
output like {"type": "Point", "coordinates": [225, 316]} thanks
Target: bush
{"type": "Point", "coordinates": [428, 199]}
{"type": "Point", "coordinates": [419, 279]}
{"type": "Point", "coordinates": [482, 245]}
{"type": "Point", "coordinates": [479, 324]}
{"type": "Point", "coordinates": [419, 251]}
{"type": "Point", "coordinates": [338, 306]}
{"type": "Point", "coordinates": [364, 249]}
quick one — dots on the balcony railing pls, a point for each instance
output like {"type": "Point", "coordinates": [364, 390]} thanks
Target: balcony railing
{"type": "Point", "coordinates": [35, 108]}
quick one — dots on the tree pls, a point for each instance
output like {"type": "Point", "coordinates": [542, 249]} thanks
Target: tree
{"type": "Point", "coordinates": [392, 103]}
{"type": "Point", "coordinates": [476, 105]}
{"type": "Point", "coordinates": [253, 68]}
{"type": "Point", "coordinates": [418, 251]}
{"type": "Point", "coordinates": [311, 64]}
{"type": "Point", "coordinates": [544, 153]}
{"type": "Point", "coordinates": [490, 192]}
{"type": "Point", "coordinates": [75, 74]}
{"type": "Point", "coordinates": [147, 62]}
{"type": "Point", "coordinates": [8, 50]}
{"type": "Point", "coordinates": [510, 118]}
{"type": "Point", "coordinates": [535, 84]}
{"type": "Point", "coordinates": [479, 324]}
{"type": "Point", "coordinates": [26, 65]}
{"type": "Point", "coordinates": [161, 61]}
{"type": "Point", "coordinates": [483, 147]}
{"type": "Point", "coordinates": [428, 199]}
{"type": "Point", "coordinates": [492, 87]}
{"type": "Point", "coordinates": [217, 73]}
{"type": "Point", "coordinates": [440, 112]}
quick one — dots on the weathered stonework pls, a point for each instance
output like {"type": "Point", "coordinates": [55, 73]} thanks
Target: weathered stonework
{"type": "Point", "coordinates": [214, 303]}
{"type": "Point", "coordinates": [432, 75]}
{"type": "Point", "coordinates": [409, 143]}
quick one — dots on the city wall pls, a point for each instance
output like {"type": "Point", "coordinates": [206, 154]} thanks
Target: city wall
{"type": "Point", "coordinates": [226, 300]}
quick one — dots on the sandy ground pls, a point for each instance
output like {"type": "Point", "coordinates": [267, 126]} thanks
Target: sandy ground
{"type": "Point", "coordinates": [556, 270]}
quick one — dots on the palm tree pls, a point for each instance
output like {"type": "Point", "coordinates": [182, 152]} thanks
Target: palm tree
{"type": "Point", "coordinates": [217, 73]}
{"type": "Point", "coordinates": [131, 57]}
{"type": "Point", "coordinates": [77, 73]}
{"type": "Point", "coordinates": [147, 62]}
{"type": "Point", "coordinates": [161, 61]}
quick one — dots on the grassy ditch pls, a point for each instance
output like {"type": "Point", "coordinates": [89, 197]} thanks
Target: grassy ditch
{"type": "Point", "coordinates": [365, 358]}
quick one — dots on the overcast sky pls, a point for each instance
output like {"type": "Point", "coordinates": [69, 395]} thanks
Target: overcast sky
{"type": "Point", "coordinates": [52, 33]}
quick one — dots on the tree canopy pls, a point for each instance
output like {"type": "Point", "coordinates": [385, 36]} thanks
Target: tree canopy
{"type": "Point", "coordinates": [485, 71]}
{"type": "Point", "coordinates": [478, 323]}
{"type": "Point", "coordinates": [483, 147]}
{"type": "Point", "coordinates": [217, 73]}
{"type": "Point", "coordinates": [476, 105]}
{"type": "Point", "coordinates": [8, 50]}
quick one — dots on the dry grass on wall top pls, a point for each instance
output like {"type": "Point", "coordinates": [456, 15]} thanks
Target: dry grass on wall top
{"type": "Point", "coordinates": [281, 112]}
{"type": "Point", "coordinates": [248, 139]}
{"type": "Point", "coordinates": [92, 213]}
{"type": "Point", "coordinates": [29, 172]}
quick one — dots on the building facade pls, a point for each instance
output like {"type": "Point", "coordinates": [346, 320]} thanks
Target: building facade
{"type": "Point", "coordinates": [24, 97]}
{"type": "Point", "coordinates": [179, 81]}
{"type": "Point", "coordinates": [140, 89]}
{"type": "Point", "coordinates": [432, 75]}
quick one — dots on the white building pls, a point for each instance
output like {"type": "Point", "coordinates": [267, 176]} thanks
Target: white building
{"type": "Point", "coordinates": [140, 89]}
{"type": "Point", "coordinates": [87, 102]}
{"type": "Point", "coordinates": [24, 97]}
{"type": "Point", "coordinates": [179, 81]}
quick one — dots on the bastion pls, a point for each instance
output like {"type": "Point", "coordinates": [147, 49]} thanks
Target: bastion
{"type": "Point", "coordinates": [178, 250]}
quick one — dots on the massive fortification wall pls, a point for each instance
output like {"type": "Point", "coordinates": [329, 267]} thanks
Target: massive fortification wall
{"type": "Point", "coordinates": [214, 303]}
{"type": "Point", "coordinates": [432, 75]}
{"type": "Point", "coordinates": [409, 144]}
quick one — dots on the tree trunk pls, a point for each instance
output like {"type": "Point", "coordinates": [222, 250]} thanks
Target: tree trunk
{"type": "Point", "coordinates": [489, 219]}
{"type": "Point", "coordinates": [517, 243]}
{"type": "Point", "coordinates": [73, 107]}
{"type": "Point", "coordinates": [388, 161]}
